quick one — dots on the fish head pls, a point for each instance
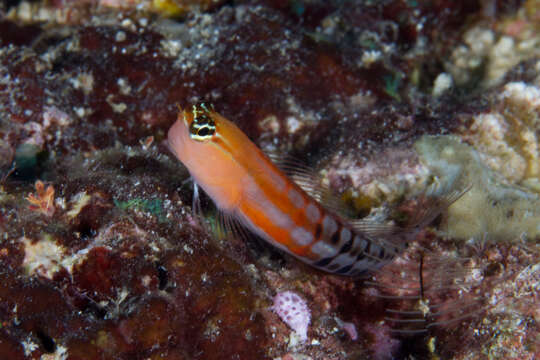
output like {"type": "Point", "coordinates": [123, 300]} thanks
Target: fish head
{"type": "Point", "coordinates": [205, 142]}
{"type": "Point", "coordinates": [194, 129]}
{"type": "Point", "coordinates": [200, 121]}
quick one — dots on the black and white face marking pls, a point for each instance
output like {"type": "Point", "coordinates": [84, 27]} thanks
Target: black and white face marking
{"type": "Point", "coordinates": [203, 127]}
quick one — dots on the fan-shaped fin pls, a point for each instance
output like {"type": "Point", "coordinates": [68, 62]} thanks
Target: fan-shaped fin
{"type": "Point", "coordinates": [311, 183]}
{"type": "Point", "coordinates": [426, 290]}
{"type": "Point", "coordinates": [229, 225]}
{"type": "Point", "coordinates": [429, 205]}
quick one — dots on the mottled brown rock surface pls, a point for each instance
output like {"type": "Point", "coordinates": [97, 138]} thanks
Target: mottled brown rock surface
{"type": "Point", "coordinates": [102, 258]}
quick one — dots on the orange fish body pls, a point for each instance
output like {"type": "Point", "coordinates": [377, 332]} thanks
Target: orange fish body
{"type": "Point", "coordinates": [246, 184]}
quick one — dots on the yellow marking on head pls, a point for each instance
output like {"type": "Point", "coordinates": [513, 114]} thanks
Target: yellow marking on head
{"type": "Point", "coordinates": [201, 123]}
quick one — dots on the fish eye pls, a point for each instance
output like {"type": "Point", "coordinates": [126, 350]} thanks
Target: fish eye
{"type": "Point", "coordinates": [202, 127]}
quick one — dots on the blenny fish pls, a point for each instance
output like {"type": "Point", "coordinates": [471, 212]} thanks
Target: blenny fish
{"type": "Point", "coordinates": [248, 187]}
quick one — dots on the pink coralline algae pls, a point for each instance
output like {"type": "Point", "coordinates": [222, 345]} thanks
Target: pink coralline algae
{"type": "Point", "coordinates": [293, 310]}
{"type": "Point", "coordinates": [349, 328]}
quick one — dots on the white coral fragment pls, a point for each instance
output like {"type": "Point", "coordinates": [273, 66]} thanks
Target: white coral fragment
{"type": "Point", "coordinates": [42, 257]}
{"type": "Point", "coordinates": [521, 92]}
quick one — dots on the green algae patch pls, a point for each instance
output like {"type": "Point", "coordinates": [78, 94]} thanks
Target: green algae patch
{"type": "Point", "coordinates": [29, 161]}
{"type": "Point", "coordinates": [153, 206]}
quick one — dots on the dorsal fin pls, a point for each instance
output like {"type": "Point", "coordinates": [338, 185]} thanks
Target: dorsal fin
{"type": "Point", "coordinates": [436, 199]}
{"type": "Point", "coordinates": [300, 173]}
{"type": "Point", "coordinates": [428, 205]}
{"type": "Point", "coordinates": [310, 182]}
